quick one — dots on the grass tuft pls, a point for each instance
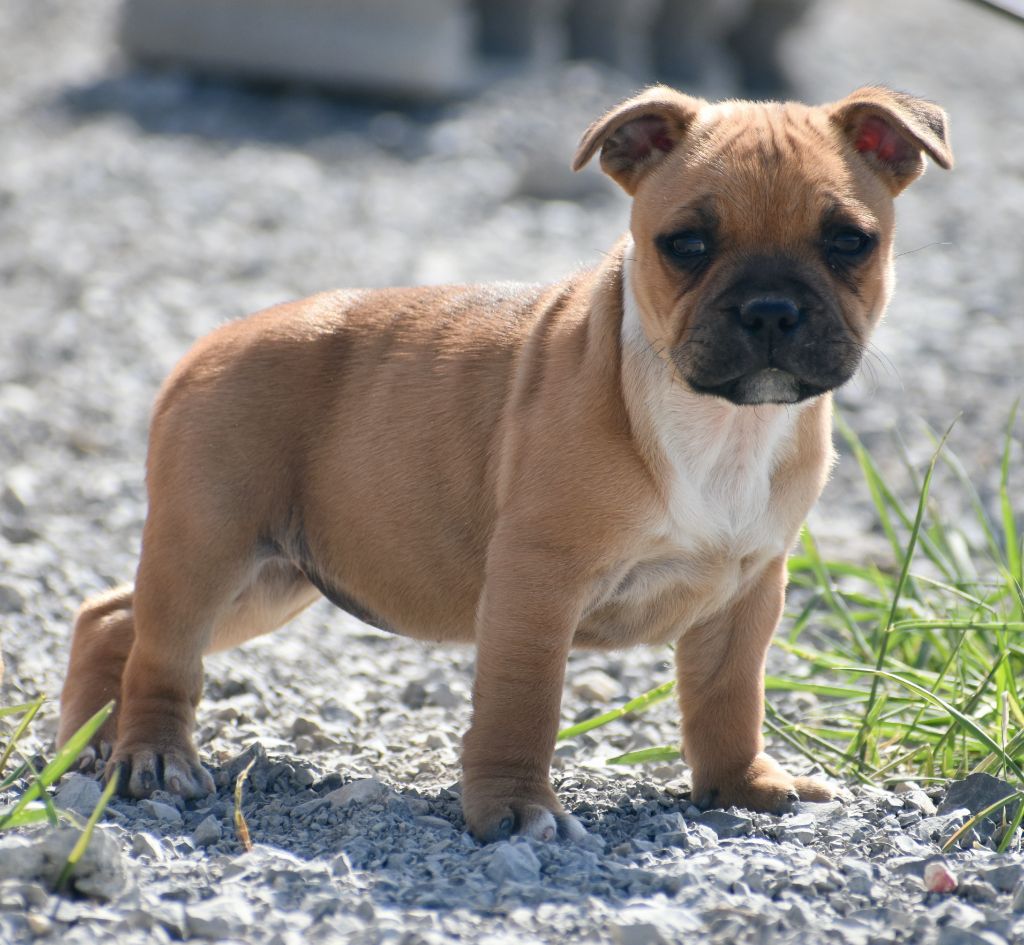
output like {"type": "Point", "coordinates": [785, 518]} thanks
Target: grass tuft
{"type": "Point", "coordinates": [916, 666]}
{"type": "Point", "coordinates": [34, 804]}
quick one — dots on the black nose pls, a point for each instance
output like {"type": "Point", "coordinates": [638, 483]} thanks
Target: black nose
{"type": "Point", "coordinates": [771, 313]}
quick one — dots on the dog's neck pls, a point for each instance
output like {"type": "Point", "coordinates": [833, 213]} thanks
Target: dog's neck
{"type": "Point", "coordinates": [709, 457]}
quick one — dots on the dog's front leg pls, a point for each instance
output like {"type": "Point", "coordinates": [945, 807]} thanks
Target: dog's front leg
{"type": "Point", "coordinates": [524, 629]}
{"type": "Point", "coordinates": [720, 670]}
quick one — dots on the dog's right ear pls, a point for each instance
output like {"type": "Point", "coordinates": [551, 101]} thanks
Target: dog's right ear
{"type": "Point", "coordinates": [637, 134]}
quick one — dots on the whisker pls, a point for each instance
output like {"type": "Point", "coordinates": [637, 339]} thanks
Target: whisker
{"type": "Point", "coordinates": [908, 252]}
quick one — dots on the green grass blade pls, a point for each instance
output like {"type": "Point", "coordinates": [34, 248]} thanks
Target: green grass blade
{"type": "Point", "coordinates": [980, 816]}
{"type": "Point", "coordinates": [968, 723]}
{"type": "Point", "coordinates": [1011, 538]}
{"type": "Point", "coordinates": [1011, 830]}
{"type": "Point", "coordinates": [10, 779]}
{"type": "Point", "coordinates": [898, 592]}
{"type": "Point", "coordinates": [644, 755]}
{"type": "Point", "coordinates": [23, 707]}
{"type": "Point", "coordinates": [881, 497]}
{"type": "Point", "coordinates": [63, 760]}
{"type": "Point", "coordinates": [782, 684]}
{"type": "Point", "coordinates": [33, 814]}
{"type": "Point", "coordinates": [30, 709]}
{"type": "Point", "coordinates": [792, 732]}
{"type": "Point", "coordinates": [37, 783]}
{"type": "Point", "coordinates": [885, 499]}
{"type": "Point", "coordinates": [825, 585]}
{"type": "Point", "coordinates": [649, 698]}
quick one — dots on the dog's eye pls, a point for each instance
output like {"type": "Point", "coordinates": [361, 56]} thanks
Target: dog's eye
{"type": "Point", "coordinates": [687, 245]}
{"type": "Point", "coordinates": [849, 243]}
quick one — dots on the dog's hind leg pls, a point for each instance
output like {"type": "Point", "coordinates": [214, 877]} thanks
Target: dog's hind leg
{"type": "Point", "coordinates": [102, 640]}
{"type": "Point", "coordinates": [105, 631]}
{"type": "Point", "coordinates": [198, 590]}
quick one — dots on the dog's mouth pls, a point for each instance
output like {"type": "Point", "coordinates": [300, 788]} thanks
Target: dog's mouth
{"type": "Point", "coordinates": [765, 386]}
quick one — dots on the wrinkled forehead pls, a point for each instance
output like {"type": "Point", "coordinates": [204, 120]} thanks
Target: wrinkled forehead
{"type": "Point", "coordinates": [765, 171]}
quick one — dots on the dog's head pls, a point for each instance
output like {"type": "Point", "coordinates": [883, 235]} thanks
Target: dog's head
{"type": "Point", "coordinates": [763, 231]}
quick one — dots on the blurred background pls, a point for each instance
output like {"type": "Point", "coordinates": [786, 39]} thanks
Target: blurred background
{"type": "Point", "coordinates": [166, 165]}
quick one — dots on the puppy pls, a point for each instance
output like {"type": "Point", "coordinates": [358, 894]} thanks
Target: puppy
{"type": "Point", "coordinates": [623, 457]}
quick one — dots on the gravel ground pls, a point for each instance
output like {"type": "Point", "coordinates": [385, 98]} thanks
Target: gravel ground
{"type": "Point", "coordinates": [140, 210]}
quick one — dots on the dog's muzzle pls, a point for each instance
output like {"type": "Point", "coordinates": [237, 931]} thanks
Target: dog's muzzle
{"type": "Point", "coordinates": [768, 347]}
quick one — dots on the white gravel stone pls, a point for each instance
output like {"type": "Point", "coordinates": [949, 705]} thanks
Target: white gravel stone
{"type": "Point", "coordinates": [726, 823]}
{"type": "Point", "coordinates": [1005, 877]}
{"type": "Point", "coordinates": [11, 599]}
{"type": "Point", "coordinates": [79, 794]}
{"type": "Point", "coordinates": [158, 810]}
{"type": "Point", "coordinates": [1017, 903]}
{"type": "Point", "coordinates": [512, 862]}
{"type": "Point", "coordinates": [595, 685]}
{"type": "Point", "coordinates": [364, 791]}
{"type": "Point", "coordinates": [145, 844]}
{"type": "Point", "coordinates": [220, 918]}
{"type": "Point", "coordinates": [952, 935]}
{"type": "Point", "coordinates": [207, 832]}
{"type": "Point", "coordinates": [637, 933]}
{"type": "Point", "coordinates": [42, 853]}
{"type": "Point", "coordinates": [38, 925]}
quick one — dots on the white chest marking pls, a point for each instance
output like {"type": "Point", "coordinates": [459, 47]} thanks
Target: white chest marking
{"type": "Point", "coordinates": [718, 458]}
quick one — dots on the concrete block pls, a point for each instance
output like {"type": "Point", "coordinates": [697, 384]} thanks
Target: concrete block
{"type": "Point", "coordinates": [688, 39]}
{"type": "Point", "coordinates": [532, 30]}
{"type": "Point", "coordinates": [756, 44]}
{"type": "Point", "coordinates": [724, 43]}
{"type": "Point", "coordinates": [614, 31]}
{"type": "Point", "coordinates": [417, 48]}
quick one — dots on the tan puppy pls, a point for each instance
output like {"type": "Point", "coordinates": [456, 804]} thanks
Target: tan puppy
{"type": "Point", "coordinates": [624, 457]}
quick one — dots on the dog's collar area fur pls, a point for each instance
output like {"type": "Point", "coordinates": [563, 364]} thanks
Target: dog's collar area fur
{"type": "Point", "coordinates": [716, 458]}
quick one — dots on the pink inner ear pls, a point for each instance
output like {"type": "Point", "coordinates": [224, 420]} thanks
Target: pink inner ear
{"type": "Point", "coordinates": [660, 139]}
{"type": "Point", "coordinates": [877, 137]}
{"type": "Point", "coordinates": [645, 134]}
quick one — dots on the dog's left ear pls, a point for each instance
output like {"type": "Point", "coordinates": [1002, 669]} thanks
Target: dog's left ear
{"type": "Point", "coordinates": [636, 135]}
{"type": "Point", "coordinates": [893, 132]}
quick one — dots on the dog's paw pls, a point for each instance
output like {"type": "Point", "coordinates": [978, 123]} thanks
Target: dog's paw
{"type": "Point", "coordinates": [93, 758]}
{"type": "Point", "coordinates": [763, 786]}
{"type": "Point", "coordinates": [528, 820]}
{"type": "Point", "coordinates": [143, 771]}
{"type": "Point", "coordinates": [536, 814]}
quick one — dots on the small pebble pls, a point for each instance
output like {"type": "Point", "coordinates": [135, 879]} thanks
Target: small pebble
{"type": "Point", "coordinates": [79, 794]}
{"type": "Point", "coordinates": [160, 811]}
{"type": "Point", "coordinates": [207, 832]}
{"type": "Point", "coordinates": [364, 791]}
{"type": "Point", "coordinates": [938, 878]}
{"type": "Point", "coordinates": [512, 862]}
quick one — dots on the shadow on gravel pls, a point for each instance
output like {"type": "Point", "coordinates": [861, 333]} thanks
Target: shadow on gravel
{"type": "Point", "coordinates": [177, 103]}
{"type": "Point", "coordinates": [411, 849]}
